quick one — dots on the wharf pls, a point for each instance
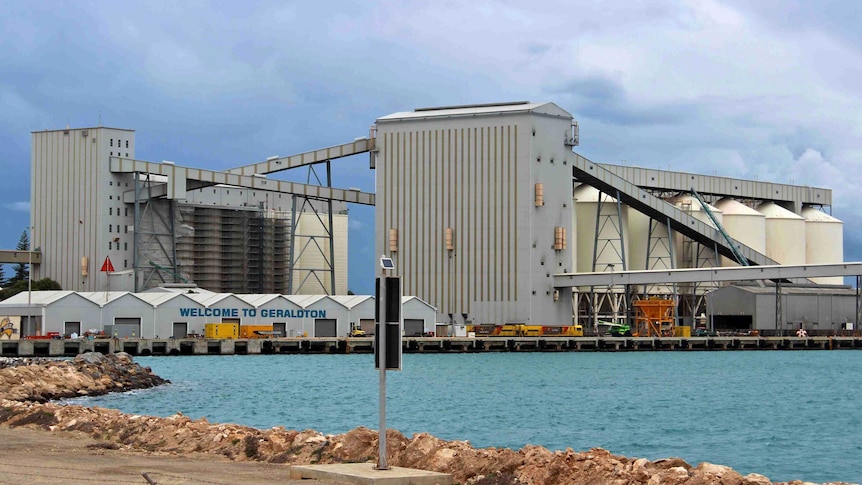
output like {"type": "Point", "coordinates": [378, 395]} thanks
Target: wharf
{"type": "Point", "coordinates": [364, 345]}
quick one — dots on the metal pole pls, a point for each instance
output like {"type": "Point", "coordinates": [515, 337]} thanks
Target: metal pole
{"type": "Point", "coordinates": [381, 353]}
{"type": "Point", "coordinates": [30, 280]}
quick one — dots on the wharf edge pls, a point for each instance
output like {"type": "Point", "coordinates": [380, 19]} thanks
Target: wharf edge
{"type": "Point", "coordinates": [416, 345]}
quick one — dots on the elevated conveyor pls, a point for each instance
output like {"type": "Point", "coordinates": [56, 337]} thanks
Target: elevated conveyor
{"type": "Point", "coordinates": [277, 164]}
{"type": "Point", "coordinates": [180, 179]}
{"type": "Point", "coordinates": [630, 194]}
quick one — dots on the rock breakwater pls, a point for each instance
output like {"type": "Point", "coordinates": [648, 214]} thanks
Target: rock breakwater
{"type": "Point", "coordinates": [90, 374]}
{"type": "Point", "coordinates": [179, 434]}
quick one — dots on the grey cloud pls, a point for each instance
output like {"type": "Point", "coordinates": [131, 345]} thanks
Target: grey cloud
{"type": "Point", "coordinates": [605, 100]}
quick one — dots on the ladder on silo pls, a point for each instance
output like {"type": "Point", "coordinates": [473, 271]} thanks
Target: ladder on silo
{"type": "Point", "coordinates": [730, 242]}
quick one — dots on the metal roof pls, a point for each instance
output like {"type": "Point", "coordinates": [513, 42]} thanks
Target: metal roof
{"type": "Point", "coordinates": [478, 110]}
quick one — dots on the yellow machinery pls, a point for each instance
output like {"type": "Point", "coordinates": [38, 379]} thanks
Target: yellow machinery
{"type": "Point", "coordinates": [654, 318]}
{"type": "Point", "coordinates": [222, 330]}
{"type": "Point", "coordinates": [255, 331]}
{"type": "Point", "coordinates": [521, 330]}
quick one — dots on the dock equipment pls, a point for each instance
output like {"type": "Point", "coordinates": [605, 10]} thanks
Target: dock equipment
{"type": "Point", "coordinates": [655, 317]}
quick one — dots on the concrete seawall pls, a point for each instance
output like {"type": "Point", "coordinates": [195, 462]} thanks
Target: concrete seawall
{"type": "Point", "coordinates": [347, 345]}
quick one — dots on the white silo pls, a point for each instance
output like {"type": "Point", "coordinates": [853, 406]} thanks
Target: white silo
{"type": "Point", "coordinates": [824, 241]}
{"type": "Point", "coordinates": [744, 224]}
{"type": "Point", "coordinates": [688, 253]}
{"type": "Point", "coordinates": [608, 239]}
{"type": "Point", "coordinates": [785, 234]}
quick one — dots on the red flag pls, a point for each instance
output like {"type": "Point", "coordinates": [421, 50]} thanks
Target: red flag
{"type": "Point", "coordinates": [107, 266]}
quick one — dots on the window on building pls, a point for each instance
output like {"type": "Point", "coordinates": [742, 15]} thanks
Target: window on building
{"type": "Point", "coordinates": [110, 245]}
{"type": "Point", "coordinates": [127, 212]}
{"type": "Point", "coordinates": [110, 227]}
{"type": "Point", "coordinates": [125, 246]}
{"type": "Point", "coordinates": [112, 154]}
{"type": "Point", "coordinates": [110, 197]}
{"type": "Point", "coordinates": [127, 229]}
{"type": "Point", "coordinates": [110, 183]}
{"type": "Point", "coordinates": [125, 263]}
{"type": "Point", "coordinates": [127, 143]}
{"type": "Point", "coordinates": [112, 142]}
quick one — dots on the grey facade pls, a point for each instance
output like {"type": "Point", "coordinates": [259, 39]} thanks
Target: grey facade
{"type": "Point", "coordinates": [754, 307]}
{"type": "Point", "coordinates": [457, 210]}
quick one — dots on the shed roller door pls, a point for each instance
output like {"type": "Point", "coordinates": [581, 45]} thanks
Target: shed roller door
{"type": "Point", "coordinates": [324, 327]}
{"type": "Point", "coordinates": [414, 327]}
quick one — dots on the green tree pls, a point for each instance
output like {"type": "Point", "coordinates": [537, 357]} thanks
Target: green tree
{"type": "Point", "coordinates": [22, 270]}
{"type": "Point", "coordinates": [21, 287]}
{"type": "Point", "coordinates": [3, 281]}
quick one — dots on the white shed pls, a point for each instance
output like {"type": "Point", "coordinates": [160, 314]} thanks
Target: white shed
{"type": "Point", "coordinates": [420, 318]}
{"type": "Point", "coordinates": [123, 314]}
{"type": "Point", "coordinates": [360, 311]}
{"type": "Point", "coordinates": [284, 315]}
{"type": "Point", "coordinates": [51, 311]}
{"type": "Point", "coordinates": [174, 314]}
{"type": "Point", "coordinates": [322, 315]}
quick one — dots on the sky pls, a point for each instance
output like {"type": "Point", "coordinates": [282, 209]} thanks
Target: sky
{"type": "Point", "coordinates": [767, 90]}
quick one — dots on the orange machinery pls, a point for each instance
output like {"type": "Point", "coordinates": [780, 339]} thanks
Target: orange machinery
{"type": "Point", "coordinates": [654, 318]}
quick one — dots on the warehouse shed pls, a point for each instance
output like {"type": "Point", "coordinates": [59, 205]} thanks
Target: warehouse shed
{"type": "Point", "coordinates": [173, 312]}
{"type": "Point", "coordinates": [817, 309]}
{"type": "Point", "coordinates": [122, 314]}
{"type": "Point", "coordinates": [184, 313]}
{"type": "Point", "coordinates": [420, 317]}
{"type": "Point", "coordinates": [323, 316]}
{"type": "Point", "coordinates": [50, 311]}
{"type": "Point", "coordinates": [278, 311]}
{"type": "Point", "coordinates": [360, 311]}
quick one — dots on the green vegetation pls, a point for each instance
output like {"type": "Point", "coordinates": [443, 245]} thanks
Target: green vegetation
{"type": "Point", "coordinates": [21, 286]}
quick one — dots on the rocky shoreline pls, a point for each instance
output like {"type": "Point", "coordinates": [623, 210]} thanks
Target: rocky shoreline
{"type": "Point", "coordinates": [26, 386]}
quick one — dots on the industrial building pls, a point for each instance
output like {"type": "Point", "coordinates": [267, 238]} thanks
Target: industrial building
{"type": "Point", "coordinates": [158, 228]}
{"type": "Point", "coordinates": [183, 312]}
{"type": "Point", "coordinates": [487, 211]}
{"type": "Point", "coordinates": [481, 206]}
{"type": "Point", "coordinates": [818, 310]}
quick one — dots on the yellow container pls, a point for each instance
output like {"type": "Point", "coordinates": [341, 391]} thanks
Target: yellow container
{"type": "Point", "coordinates": [249, 331]}
{"type": "Point", "coordinates": [221, 330]}
{"type": "Point", "coordinates": [682, 331]}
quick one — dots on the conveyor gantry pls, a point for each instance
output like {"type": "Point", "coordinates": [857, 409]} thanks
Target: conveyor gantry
{"type": "Point", "coordinates": [628, 193]}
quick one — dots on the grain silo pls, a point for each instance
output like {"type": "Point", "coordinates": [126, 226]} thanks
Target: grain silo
{"type": "Point", "coordinates": [744, 224]}
{"type": "Point", "coordinates": [785, 234]}
{"type": "Point", "coordinates": [608, 241]}
{"type": "Point", "coordinates": [824, 241]}
{"type": "Point", "coordinates": [688, 253]}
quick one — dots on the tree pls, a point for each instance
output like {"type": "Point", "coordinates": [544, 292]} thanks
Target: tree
{"type": "Point", "coordinates": [21, 287]}
{"type": "Point", "coordinates": [22, 270]}
{"type": "Point", "coordinates": [3, 282]}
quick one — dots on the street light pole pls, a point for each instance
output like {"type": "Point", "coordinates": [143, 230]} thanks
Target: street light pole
{"type": "Point", "coordinates": [30, 279]}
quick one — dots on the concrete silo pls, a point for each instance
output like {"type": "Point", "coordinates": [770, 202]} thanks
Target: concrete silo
{"type": "Point", "coordinates": [690, 254]}
{"type": "Point", "coordinates": [744, 224]}
{"type": "Point", "coordinates": [824, 241]}
{"type": "Point", "coordinates": [785, 234]}
{"type": "Point", "coordinates": [609, 241]}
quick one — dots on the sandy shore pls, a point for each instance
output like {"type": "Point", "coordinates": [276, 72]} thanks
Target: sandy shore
{"type": "Point", "coordinates": [38, 457]}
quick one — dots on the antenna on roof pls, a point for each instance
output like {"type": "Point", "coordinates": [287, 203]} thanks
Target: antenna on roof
{"type": "Point", "coordinates": [100, 119]}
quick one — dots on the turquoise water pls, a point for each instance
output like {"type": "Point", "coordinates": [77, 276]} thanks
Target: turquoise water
{"type": "Point", "coordinates": [787, 415]}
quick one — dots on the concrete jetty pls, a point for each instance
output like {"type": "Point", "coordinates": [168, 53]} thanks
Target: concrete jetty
{"type": "Point", "coordinates": [364, 345]}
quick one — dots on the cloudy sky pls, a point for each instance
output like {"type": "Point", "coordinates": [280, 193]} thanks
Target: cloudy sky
{"type": "Point", "coordinates": [770, 91]}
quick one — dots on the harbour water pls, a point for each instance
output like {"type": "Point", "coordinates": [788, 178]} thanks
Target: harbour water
{"type": "Point", "coordinates": [787, 415]}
